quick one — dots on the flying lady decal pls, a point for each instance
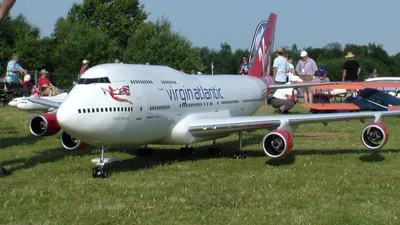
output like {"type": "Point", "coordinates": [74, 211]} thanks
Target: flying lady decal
{"type": "Point", "coordinates": [115, 93]}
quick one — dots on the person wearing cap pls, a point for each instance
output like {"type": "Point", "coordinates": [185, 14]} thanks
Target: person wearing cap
{"type": "Point", "coordinates": [244, 67]}
{"type": "Point", "coordinates": [306, 68]}
{"type": "Point", "coordinates": [44, 83]}
{"type": "Point", "coordinates": [320, 96]}
{"type": "Point", "coordinates": [84, 67]}
{"type": "Point", "coordinates": [14, 69]}
{"type": "Point", "coordinates": [280, 67]}
{"type": "Point", "coordinates": [285, 98]}
{"type": "Point", "coordinates": [351, 68]}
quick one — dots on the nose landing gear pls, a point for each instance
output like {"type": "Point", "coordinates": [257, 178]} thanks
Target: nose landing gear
{"type": "Point", "coordinates": [101, 172]}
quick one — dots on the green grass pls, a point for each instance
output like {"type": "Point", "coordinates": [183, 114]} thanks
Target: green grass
{"type": "Point", "coordinates": [325, 180]}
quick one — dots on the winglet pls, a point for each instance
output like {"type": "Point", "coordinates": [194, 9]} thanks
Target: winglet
{"type": "Point", "coordinates": [261, 48]}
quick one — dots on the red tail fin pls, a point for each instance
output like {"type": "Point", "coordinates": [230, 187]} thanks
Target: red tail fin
{"type": "Point", "coordinates": [261, 48]}
{"type": "Point", "coordinates": [35, 91]}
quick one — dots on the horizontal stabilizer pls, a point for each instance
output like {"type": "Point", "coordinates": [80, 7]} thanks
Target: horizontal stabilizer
{"type": "Point", "coordinates": [331, 106]}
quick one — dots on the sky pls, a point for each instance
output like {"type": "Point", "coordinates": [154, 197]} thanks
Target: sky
{"type": "Point", "coordinates": [307, 23]}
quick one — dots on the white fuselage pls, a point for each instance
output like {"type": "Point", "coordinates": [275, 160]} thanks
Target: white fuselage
{"type": "Point", "coordinates": [162, 103]}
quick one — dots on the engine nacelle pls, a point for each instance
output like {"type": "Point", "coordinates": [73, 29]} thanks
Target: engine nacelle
{"type": "Point", "coordinates": [71, 143]}
{"type": "Point", "coordinates": [44, 125]}
{"type": "Point", "coordinates": [277, 143]}
{"type": "Point", "coordinates": [375, 135]}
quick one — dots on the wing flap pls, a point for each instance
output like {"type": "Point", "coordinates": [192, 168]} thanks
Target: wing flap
{"type": "Point", "coordinates": [214, 126]}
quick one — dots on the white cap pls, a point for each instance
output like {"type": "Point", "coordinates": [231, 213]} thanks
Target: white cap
{"type": "Point", "coordinates": [303, 53]}
{"type": "Point", "coordinates": [27, 77]}
{"type": "Point", "coordinates": [85, 61]}
{"type": "Point", "coordinates": [199, 73]}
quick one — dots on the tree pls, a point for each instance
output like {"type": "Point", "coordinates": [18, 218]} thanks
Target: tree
{"type": "Point", "coordinates": [118, 18]}
{"type": "Point", "coordinates": [156, 43]}
{"type": "Point", "coordinates": [83, 42]}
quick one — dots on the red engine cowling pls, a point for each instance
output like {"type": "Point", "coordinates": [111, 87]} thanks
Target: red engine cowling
{"type": "Point", "coordinates": [375, 135]}
{"type": "Point", "coordinates": [277, 143]}
{"type": "Point", "coordinates": [44, 125]}
{"type": "Point", "coordinates": [71, 143]}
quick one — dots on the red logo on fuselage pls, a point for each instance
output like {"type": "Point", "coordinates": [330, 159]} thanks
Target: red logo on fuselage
{"type": "Point", "coordinates": [114, 93]}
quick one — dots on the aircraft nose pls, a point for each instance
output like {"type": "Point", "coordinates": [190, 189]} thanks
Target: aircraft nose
{"type": "Point", "coordinates": [63, 117]}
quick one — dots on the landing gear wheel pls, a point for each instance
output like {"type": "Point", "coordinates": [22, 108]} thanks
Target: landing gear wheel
{"type": "Point", "coordinates": [99, 173]}
{"type": "Point", "coordinates": [145, 151]}
{"type": "Point", "coordinates": [215, 151]}
{"type": "Point", "coordinates": [241, 154]}
{"type": "Point", "coordinates": [3, 172]}
{"type": "Point", "coordinates": [185, 151]}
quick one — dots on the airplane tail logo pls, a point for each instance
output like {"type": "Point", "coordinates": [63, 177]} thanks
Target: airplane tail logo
{"type": "Point", "coordinates": [35, 91]}
{"type": "Point", "coordinates": [261, 48]}
{"type": "Point", "coordinates": [114, 93]}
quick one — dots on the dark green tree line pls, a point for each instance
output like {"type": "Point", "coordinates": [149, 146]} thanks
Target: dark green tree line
{"type": "Point", "coordinates": [102, 30]}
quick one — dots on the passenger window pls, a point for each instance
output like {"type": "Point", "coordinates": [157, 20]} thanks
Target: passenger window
{"type": "Point", "coordinates": [101, 109]}
{"type": "Point", "coordinates": [79, 111]}
{"type": "Point", "coordinates": [97, 110]}
{"type": "Point", "coordinates": [106, 109]}
{"type": "Point", "coordinates": [84, 111]}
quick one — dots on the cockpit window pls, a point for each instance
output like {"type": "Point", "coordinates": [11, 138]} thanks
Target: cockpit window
{"type": "Point", "coordinates": [97, 80]}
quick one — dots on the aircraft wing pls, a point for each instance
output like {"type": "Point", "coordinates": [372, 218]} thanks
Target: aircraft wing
{"type": "Point", "coordinates": [45, 102]}
{"type": "Point", "coordinates": [301, 84]}
{"type": "Point", "coordinates": [220, 126]}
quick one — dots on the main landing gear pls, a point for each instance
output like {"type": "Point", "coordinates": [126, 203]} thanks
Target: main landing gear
{"type": "Point", "coordinates": [186, 151]}
{"type": "Point", "coordinates": [214, 150]}
{"type": "Point", "coordinates": [3, 172]}
{"type": "Point", "coordinates": [240, 154]}
{"type": "Point", "coordinates": [101, 172]}
{"type": "Point", "coordinates": [146, 151]}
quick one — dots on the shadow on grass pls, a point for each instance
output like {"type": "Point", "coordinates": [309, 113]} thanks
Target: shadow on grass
{"type": "Point", "coordinates": [7, 142]}
{"type": "Point", "coordinates": [52, 155]}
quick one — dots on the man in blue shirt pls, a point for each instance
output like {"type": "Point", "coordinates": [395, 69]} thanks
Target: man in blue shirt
{"type": "Point", "coordinates": [14, 70]}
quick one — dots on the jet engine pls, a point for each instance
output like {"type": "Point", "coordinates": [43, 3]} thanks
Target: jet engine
{"type": "Point", "coordinates": [44, 125]}
{"type": "Point", "coordinates": [71, 143]}
{"type": "Point", "coordinates": [375, 135]}
{"type": "Point", "coordinates": [277, 143]}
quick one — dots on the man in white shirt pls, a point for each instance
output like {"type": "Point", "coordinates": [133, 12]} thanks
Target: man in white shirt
{"type": "Point", "coordinates": [280, 67]}
{"type": "Point", "coordinates": [285, 98]}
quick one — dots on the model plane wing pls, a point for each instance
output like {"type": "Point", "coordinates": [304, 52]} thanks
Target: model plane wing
{"type": "Point", "coordinates": [220, 126]}
{"type": "Point", "coordinates": [302, 84]}
{"type": "Point", "coordinates": [331, 106]}
{"type": "Point", "coordinates": [359, 85]}
{"type": "Point", "coordinates": [45, 102]}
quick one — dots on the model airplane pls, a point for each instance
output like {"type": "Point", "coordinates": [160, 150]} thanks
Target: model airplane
{"type": "Point", "coordinates": [135, 105]}
{"type": "Point", "coordinates": [24, 104]}
{"type": "Point", "coordinates": [370, 95]}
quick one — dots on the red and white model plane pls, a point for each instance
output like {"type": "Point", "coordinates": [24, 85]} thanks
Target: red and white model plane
{"type": "Point", "coordinates": [134, 105]}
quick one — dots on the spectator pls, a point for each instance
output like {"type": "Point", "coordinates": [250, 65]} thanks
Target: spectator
{"type": "Point", "coordinates": [244, 67]}
{"type": "Point", "coordinates": [280, 67]}
{"type": "Point", "coordinates": [285, 98]}
{"type": "Point", "coordinates": [117, 61]}
{"type": "Point", "coordinates": [45, 85]}
{"type": "Point", "coordinates": [14, 69]}
{"type": "Point", "coordinates": [84, 67]}
{"type": "Point", "coordinates": [6, 7]}
{"type": "Point", "coordinates": [305, 69]}
{"type": "Point", "coordinates": [351, 68]}
{"type": "Point", "coordinates": [290, 71]}
{"type": "Point", "coordinates": [374, 74]}
{"type": "Point", "coordinates": [321, 96]}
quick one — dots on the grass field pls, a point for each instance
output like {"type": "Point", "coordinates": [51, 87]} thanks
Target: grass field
{"type": "Point", "coordinates": [328, 178]}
